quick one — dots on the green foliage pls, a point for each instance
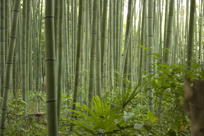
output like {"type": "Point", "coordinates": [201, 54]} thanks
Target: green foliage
{"type": "Point", "coordinates": [167, 88]}
{"type": "Point", "coordinates": [107, 116]}
{"type": "Point", "coordinates": [196, 72]}
{"type": "Point", "coordinates": [36, 101]}
{"type": "Point", "coordinates": [122, 99]}
{"type": "Point", "coordinates": [144, 47]}
{"type": "Point", "coordinates": [21, 122]}
{"type": "Point", "coordinates": [118, 113]}
{"type": "Point", "coordinates": [99, 119]}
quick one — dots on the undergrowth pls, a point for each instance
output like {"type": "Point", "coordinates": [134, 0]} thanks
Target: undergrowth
{"type": "Point", "coordinates": [122, 113]}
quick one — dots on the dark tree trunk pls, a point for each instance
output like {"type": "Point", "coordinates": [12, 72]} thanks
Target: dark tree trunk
{"type": "Point", "coordinates": [194, 98]}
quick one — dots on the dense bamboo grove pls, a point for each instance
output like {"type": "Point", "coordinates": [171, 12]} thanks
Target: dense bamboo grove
{"type": "Point", "coordinates": [59, 54]}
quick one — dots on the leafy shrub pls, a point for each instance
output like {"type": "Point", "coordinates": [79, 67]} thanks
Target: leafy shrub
{"type": "Point", "coordinates": [21, 122]}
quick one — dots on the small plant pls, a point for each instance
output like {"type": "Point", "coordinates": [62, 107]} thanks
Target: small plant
{"type": "Point", "coordinates": [102, 118]}
{"type": "Point", "coordinates": [98, 119]}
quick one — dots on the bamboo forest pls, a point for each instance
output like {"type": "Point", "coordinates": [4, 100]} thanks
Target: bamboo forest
{"type": "Point", "coordinates": [101, 68]}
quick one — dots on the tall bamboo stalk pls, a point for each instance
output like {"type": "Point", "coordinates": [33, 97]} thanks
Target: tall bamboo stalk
{"type": "Point", "coordinates": [50, 69]}
{"type": "Point", "coordinates": [9, 63]}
